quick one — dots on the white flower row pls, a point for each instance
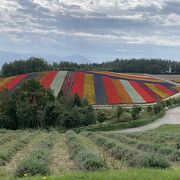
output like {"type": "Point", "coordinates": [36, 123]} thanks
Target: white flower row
{"type": "Point", "coordinates": [58, 82]}
{"type": "Point", "coordinates": [135, 96]}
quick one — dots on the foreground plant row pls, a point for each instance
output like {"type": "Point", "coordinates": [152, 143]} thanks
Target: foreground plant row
{"type": "Point", "coordinates": [98, 87]}
{"type": "Point", "coordinates": [154, 149]}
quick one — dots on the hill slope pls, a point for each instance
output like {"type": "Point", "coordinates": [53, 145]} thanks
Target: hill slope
{"type": "Point", "coordinates": [100, 88]}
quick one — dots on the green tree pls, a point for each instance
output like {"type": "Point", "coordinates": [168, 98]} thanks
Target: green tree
{"type": "Point", "coordinates": [136, 112]}
{"type": "Point", "coordinates": [20, 67]}
{"type": "Point", "coordinates": [119, 111]}
{"type": "Point", "coordinates": [8, 118]}
{"type": "Point", "coordinates": [90, 117]}
{"type": "Point", "coordinates": [31, 99]}
{"type": "Point", "coordinates": [77, 101]}
{"type": "Point", "coordinates": [159, 106]}
{"type": "Point", "coordinates": [150, 110]}
{"type": "Point", "coordinates": [71, 119]}
{"type": "Point", "coordinates": [101, 117]}
{"type": "Point", "coordinates": [50, 115]}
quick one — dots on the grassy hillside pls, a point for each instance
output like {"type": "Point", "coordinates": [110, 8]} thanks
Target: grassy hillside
{"type": "Point", "coordinates": [31, 153]}
{"type": "Point", "coordinates": [100, 88]}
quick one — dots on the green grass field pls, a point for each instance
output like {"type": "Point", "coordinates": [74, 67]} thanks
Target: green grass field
{"type": "Point", "coordinates": [90, 155]}
{"type": "Point", "coordinates": [129, 174]}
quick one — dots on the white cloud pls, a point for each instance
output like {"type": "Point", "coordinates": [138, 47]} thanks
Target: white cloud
{"type": "Point", "coordinates": [122, 50]}
{"type": "Point", "coordinates": [142, 51]}
{"type": "Point", "coordinates": [142, 22]}
{"type": "Point", "coordinates": [9, 6]}
{"type": "Point", "coordinates": [133, 38]}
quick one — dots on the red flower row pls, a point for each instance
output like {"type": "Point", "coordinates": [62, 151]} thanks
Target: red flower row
{"type": "Point", "coordinates": [14, 81]}
{"type": "Point", "coordinates": [164, 89]}
{"type": "Point", "coordinates": [68, 82]}
{"type": "Point", "coordinates": [47, 79]}
{"type": "Point", "coordinates": [111, 91]}
{"type": "Point", "coordinates": [78, 84]}
{"type": "Point", "coordinates": [142, 92]}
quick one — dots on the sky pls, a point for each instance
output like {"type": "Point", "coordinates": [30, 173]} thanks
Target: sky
{"type": "Point", "coordinates": [99, 30]}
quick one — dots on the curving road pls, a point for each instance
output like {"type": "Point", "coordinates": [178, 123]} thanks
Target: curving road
{"type": "Point", "coordinates": [172, 116]}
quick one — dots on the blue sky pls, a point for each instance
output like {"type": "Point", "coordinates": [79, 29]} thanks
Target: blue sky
{"type": "Point", "coordinates": [97, 29]}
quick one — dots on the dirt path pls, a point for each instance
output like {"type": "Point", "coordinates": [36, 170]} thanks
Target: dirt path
{"type": "Point", "coordinates": [61, 162]}
{"type": "Point", "coordinates": [172, 116]}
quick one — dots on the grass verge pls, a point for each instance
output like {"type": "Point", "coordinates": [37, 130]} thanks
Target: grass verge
{"type": "Point", "coordinates": [129, 174]}
{"type": "Point", "coordinates": [123, 125]}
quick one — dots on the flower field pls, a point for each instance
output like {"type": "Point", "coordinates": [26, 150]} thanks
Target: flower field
{"type": "Point", "coordinates": [100, 88]}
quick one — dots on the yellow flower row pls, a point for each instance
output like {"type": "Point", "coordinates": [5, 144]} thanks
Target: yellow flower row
{"type": "Point", "coordinates": [4, 81]}
{"type": "Point", "coordinates": [159, 92]}
{"type": "Point", "coordinates": [89, 91]}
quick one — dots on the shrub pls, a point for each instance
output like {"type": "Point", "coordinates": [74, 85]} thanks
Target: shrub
{"type": "Point", "coordinates": [118, 151]}
{"type": "Point", "coordinates": [169, 102]}
{"type": "Point", "coordinates": [175, 156]}
{"type": "Point", "coordinates": [119, 111]}
{"type": "Point", "coordinates": [159, 106]}
{"type": "Point", "coordinates": [143, 146]}
{"type": "Point", "coordinates": [8, 137]}
{"type": "Point", "coordinates": [125, 117]}
{"type": "Point", "coordinates": [136, 112]}
{"type": "Point", "coordinates": [153, 160]}
{"type": "Point", "coordinates": [150, 110]}
{"type": "Point", "coordinates": [84, 159]}
{"type": "Point", "coordinates": [165, 150]}
{"type": "Point", "coordinates": [177, 145]}
{"type": "Point", "coordinates": [37, 162]}
{"type": "Point", "coordinates": [6, 154]}
{"type": "Point", "coordinates": [101, 117]}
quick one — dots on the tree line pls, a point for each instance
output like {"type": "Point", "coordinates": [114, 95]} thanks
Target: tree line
{"type": "Point", "coordinates": [32, 106]}
{"type": "Point", "coordinates": [150, 66]}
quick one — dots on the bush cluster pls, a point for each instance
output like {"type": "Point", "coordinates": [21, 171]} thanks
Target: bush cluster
{"type": "Point", "coordinates": [130, 155]}
{"type": "Point", "coordinates": [12, 148]}
{"type": "Point", "coordinates": [37, 163]}
{"type": "Point", "coordinates": [165, 150]}
{"type": "Point", "coordinates": [85, 159]}
{"type": "Point", "coordinates": [32, 106]}
{"type": "Point", "coordinates": [124, 115]}
{"type": "Point", "coordinates": [7, 137]}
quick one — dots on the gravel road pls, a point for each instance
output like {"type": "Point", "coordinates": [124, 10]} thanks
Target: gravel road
{"type": "Point", "coordinates": [172, 116]}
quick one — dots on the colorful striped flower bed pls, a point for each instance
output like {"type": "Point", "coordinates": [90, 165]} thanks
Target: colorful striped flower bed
{"type": "Point", "coordinates": [68, 82]}
{"type": "Point", "coordinates": [142, 92]}
{"type": "Point", "coordinates": [111, 91]}
{"type": "Point", "coordinates": [89, 91]}
{"type": "Point", "coordinates": [47, 79]}
{"type": "Point", "coordinates": [58, 82]}
{"type": "Point", "coordinates": [123, 94]}
{"type": "Point", "coordinates": [135, 96]}
{"type": "Point", "coordinates": [78, 84]}
{"type": "Point", "coordinates": [100, 88]}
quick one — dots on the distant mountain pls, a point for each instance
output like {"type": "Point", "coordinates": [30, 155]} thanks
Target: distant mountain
{"type": "Point", "coordinates": [11, 56]}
